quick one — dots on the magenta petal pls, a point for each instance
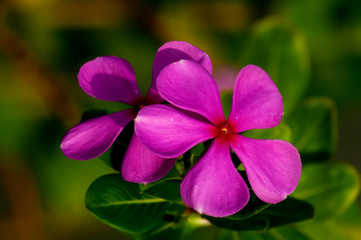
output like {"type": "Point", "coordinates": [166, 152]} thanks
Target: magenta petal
{"type": "Point", "coordinates": [186, 84]}
{"type": "Point", "coordinates": [273, 167]}
{"type": "Point", "coordinates": [93, 137]}
{"type": "Point", "coordinates": [169, 132]}
{"type": "Point", "coordinates": [141, 165]}
{"type": "Point", "coordinates": [110, 78]}
{"type": "Point", "coordinates": [257, 103]}
{"type": "Point", "coordinates": [172, 52]}
{"type": "Point", "coordinates": [213, 186]}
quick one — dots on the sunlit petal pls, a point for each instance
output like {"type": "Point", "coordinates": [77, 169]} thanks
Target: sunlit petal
{"type": "Point", "coordinates": [169, 132]}
{"type": "Point", "coordinates": [257, 103]}
{"type": "Point", "coordinates": [213, 186]}
{"type": "Point", "coordinates": [273, 167]}
{"type": "Point", "coordinates": [188, 85]}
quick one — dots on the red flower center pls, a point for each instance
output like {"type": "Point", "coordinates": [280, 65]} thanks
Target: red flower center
{"type": "Point", "coordinates": [225, 129]}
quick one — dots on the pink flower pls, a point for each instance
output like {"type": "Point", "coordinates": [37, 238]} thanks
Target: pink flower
{"type": "Point", "coordinates": [214, 186]}
{"type": "Point", "coordinates": [113, 79]}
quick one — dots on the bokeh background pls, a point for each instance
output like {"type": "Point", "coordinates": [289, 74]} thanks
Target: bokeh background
{"type": "Point", "coordinates": [43, 43]}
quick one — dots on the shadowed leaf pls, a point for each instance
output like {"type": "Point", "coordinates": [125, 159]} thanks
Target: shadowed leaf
{"type": "Point", "coordinates": [119, 204]}
{"type": "Point", "coordinates": [288, 211]}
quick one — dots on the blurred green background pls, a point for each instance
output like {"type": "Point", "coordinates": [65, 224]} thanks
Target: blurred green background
{"type": "Point", "coordinates": [43, 43]}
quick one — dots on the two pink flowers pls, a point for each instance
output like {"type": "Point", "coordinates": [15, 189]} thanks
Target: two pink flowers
{"type": "Point", "coordinates": [182, 76]}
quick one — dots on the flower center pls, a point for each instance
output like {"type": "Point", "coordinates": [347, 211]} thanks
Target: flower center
{"type": "Point", "coordinates": [225, 129]}
{"type": "Point", "coordinates": [140, 105]}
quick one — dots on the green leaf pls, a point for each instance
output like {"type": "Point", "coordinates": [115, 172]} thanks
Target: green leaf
{"type": "Point", "coordinates": [119, 204]}
{"type": "Point", "coordinates": [275, 234]}
{"type": "Point", "coordinates": [314, 128]}
{"type": "Point", "coordinates": [288, 211]}
{"type": "Point", "coordinates": [168, 231]}
{"type": "Point", "coordinates": [282, 132]}
{"type": "Point", "coordinates": [342, 227]}
{"type": "Point", "coordinates": [168, 189]}
{"type": "Point", "coordinates": [226, 100]}
{"type": "Point", "coordinates": [282, 53]}
{"type": "Point", "coordinates": [282, 233]}
{"type": "Point", "coordinates": [260, 224]}
{"type": "Point", "coordinates": [190, 158]}
{"type": "Point", "coordinates": [176, 208]}
{"type": "Point", "coordinates": [329, 186]}
{"type": "Point", "coordinates": [193, 224]}
{"type": "Point", "coordinates": [253, 207]}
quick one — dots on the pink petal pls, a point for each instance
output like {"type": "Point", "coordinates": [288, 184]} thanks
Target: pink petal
{"type": "Point", "coordinates": [110, 78]}
{"type": "Point", "coordinates": [91, 138]}
{"type": "Point", "coordinates": [213, 186]}
{"type": "Point", "coordinates": [186, 84]}
{"type": "Point", "coordinates": [273, 167]}
{"type": "Point", "coordinates": [257, 103]}
{"type": "Point", "coordinates": [172, 52]}
{"type": "Point", "coordinates": [141, 165]}
{"type": "Point", "coordinates": [169, 132]}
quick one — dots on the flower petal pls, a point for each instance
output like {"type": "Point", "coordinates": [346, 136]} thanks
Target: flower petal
{"type": "Point", "coordinates": [186, 84]}
{"type": "Point", "coordinates": [273, 167]}
{"type": "Point", "coordinates": [169, 132]}
{"type": "Point", "coordinates": [91, 138]}
{"type": "Point", "coordinates": [214, 186]}
{"type": "Point", "coordinates": [172, 52]}
{"type": "Point", "coordinates": [141, 165]}
{"type": "Point", "coordinates": [110, 78]}
{"type": "Point", "coordinates": [257, 103]}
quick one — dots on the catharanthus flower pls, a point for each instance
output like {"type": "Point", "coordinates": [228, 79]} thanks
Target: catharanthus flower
{"type": "Point", "coordinates": [214, 186]}
{"type": "Point", "coordinates": [113, 79]}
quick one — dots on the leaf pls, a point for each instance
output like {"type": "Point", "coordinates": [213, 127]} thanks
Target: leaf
{"type": "Point", "coordinates": [275, 234]}
{"type": "Point", "coordinates": [168, 231]}
{"type": "Point", "coordinates": [119, 204]}
{"type": "Point", "coordinates": [253, 207]}
{"type": "Point", "coordinates": [190, 158]}
{"type": "Point", "coordinates": [283, 54]}
{"type": "Point", "coordinates": [342, 227]}
{"type": "Point", "coordinates": [285, 233]}
{"type": "Point", "coordinates": [226, 100]}
{"type": "Point", "coordinates": [282, 132]}
{"type": "Point", "coordinates": [288, 211]}
{"type": "Point", "coordinates": [314, 128]}
{"type": "Point", "coordinates": [329, 186]}
{"type": "Point", "coordinates": [260, 224]}
{"type": "Point", "coordinates": [168, 189]}
{"type": "Point", "coordinates": [193, 224]}
{"type": "Point", "coordinates": [176, 209]}
{"type": "Point", "coordinates": [282, 233]}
